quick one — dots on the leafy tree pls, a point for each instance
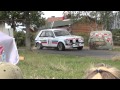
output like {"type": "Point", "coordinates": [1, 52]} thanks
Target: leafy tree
{"type": "Point", "coordinates": [12, 18]}
{"type": "Point", "coordinates": [26, 18]}
{"type": "Point", "coordinates": [100, 17]}
{"type": "Point", "coordinates": [77, 15]}
{"type": "Point", "coordinates": [106, 18]}
{"type": "Point", "coordinates": [19, 38]}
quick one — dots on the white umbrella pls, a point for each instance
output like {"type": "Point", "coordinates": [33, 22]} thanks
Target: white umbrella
{"type": "Point", "coordinates": [10, 49]}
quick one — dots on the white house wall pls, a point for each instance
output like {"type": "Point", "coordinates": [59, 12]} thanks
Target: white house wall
{"type": "Point", "coordinates": [2, 27]}
{"type": "Point", "coordinates": [9, 32]}
{"type": "Point", "coordinates": [6, 30]}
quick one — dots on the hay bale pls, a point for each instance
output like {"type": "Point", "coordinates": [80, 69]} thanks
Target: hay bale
{"type": "Point", "coordinates": [116, 58]}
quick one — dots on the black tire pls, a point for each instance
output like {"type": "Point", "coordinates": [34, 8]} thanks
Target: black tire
{"type": "Point", "coordinates": [39, 46]}
{"type": "Point", "coordinates": [60, 46]}
{"type": "Point", "coordinates": [80, 48]}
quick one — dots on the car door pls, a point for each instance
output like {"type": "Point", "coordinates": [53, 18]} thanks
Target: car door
{"type": "Point", "coordinates": [43, 38]}
{"type": "Point", "coordinates": [50, 39]}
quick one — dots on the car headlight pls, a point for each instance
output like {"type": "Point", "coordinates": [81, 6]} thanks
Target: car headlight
{"type": "Point", "coordinates": [81, 39]}
{"type": "Point", "coordinates": [74, 40]}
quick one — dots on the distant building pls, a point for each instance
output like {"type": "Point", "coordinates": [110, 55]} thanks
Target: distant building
{"type": "Point", "coordinates": [85, 25]}
{"type": "Point", "coordinates": [73, 27]}
{"type": "Point", "coordinates": [53, 18]}
{"type": "Point", "coordinates": [5, 30]}
{"type": "Point", "coordinates": [57, 23]}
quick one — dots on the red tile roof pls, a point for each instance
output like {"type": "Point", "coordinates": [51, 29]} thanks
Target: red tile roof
{"type": "Point", "coordinates": [51, 19]}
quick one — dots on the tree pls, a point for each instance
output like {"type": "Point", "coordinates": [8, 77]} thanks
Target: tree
{"type": "Point", "coordinates": [96, 16]}
{"type": "Point", "coordinates": [32, 18]}
{"type": "Point", "coordinates": [100, 17]}
{"type": "Point", "coordinates": [12, 18]}
{"type": "Point", "coordinates": [116, 20]}
{"type": "Point", "coordinates": [106, 18]}
{"type": "Point", "coordinates": [27, 18]}
{"type": "Point", "coordinates": [75, 15]}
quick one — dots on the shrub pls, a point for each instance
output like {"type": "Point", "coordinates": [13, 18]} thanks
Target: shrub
{"type": "Point", "coordinates": [116, 36]}
{"type": "Point", "coordinates": [19, 38]}
{"type": "Point", "coordinates": [32, 38]}
{"type": "Point", "coordinates": [86, 37]}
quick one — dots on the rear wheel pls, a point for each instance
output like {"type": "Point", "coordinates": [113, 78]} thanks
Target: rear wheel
{"type": "Point", "coordinates": [61, 46]}
{"type": "Point", "coordinates": [80, 48]}
{"type": "Point", "coordinates": [39, 46]}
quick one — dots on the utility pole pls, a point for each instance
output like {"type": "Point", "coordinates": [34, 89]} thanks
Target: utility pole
{"type": "Point", "coordinates": [52, 24]}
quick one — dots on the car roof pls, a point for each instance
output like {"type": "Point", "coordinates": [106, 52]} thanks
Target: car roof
{"type": "Point", "coordinates": [52, 29]}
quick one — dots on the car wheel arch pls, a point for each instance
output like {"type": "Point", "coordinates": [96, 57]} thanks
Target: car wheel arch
{"type": "Point", "coordinates": [61, 42]}
{"type": "Point", "coordinates": [63, 47]}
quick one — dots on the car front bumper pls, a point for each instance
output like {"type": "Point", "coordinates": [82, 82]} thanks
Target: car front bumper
{"type": "Point", "coordinates": [74, 45]}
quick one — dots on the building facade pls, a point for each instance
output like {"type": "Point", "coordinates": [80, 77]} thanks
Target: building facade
{"type": "Point", "coordinates": [8, 31]}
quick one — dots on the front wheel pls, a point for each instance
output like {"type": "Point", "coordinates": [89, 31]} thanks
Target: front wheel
{"type": "Point", "coordinates": [61, 46]}
{"type": "Point", "coordinates": [39, 46]}
{"type": "Point", "coordinates": [80, 48]}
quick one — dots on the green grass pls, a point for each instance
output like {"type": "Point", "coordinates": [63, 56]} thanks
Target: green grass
{"type": "Point", "coordinates": [46, 66]}
{"type": "Point", "coordinates": [116, 49]}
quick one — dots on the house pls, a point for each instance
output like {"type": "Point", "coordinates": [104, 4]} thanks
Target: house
{"type": "Point", "coordinates": [8, 31]}
{"type": "Point", "coordinates": [75, 27]}
{"type": "Point", "coordinates": [85, 26]}
{"type": "Point", "coordinates": [53, 18]}
{"type": "Point", "coordinates": [57, 22]}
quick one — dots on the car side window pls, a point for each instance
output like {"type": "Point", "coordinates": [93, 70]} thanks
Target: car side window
{"type": "Point", "coordinates": [49, 34]}
{"type": "Point", "coordinates": [43, 34]}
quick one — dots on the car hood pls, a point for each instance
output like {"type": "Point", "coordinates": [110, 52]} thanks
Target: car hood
{"type": "Point", "coordinates": [69, 37]}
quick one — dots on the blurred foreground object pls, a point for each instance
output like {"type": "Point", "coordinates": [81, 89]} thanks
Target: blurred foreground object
{"type": "Point", "coordinates": [8, 49]}
{"type": "Point", "coordinates": [10, 71]}
{"type": "Point", "coordinates": [102, 71]}
{"type": "Point", "coordinates": [21, 58]}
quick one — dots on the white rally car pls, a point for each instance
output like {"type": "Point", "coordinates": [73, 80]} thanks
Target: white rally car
{"type": "Point", "coordinates": [58, 38]}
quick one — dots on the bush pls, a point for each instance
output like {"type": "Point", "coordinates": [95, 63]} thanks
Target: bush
{"type": "Point", "coordinates": [19, 38]}
{"type": "Point", "coordinates": [86, 38]}
{"type": "Point", "coordinates": [32, 38]}
{"type": "Point", "coordinates": [116, 36]}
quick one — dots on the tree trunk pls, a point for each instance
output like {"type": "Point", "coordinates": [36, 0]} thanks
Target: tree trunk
{"type": "Point", "coordinates": [14, 28]}
{"type": "Point", "coordinates": [13, 24]}
{"type": "Point", "coordinates": [27, 39]}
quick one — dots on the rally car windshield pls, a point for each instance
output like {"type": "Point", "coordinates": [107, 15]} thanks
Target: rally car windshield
{"type": "Point", "coordinates": [61, 33]}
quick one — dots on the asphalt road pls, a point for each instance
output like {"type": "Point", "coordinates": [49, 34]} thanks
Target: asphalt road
{"type": "Point", "coordinates": [103, 54]}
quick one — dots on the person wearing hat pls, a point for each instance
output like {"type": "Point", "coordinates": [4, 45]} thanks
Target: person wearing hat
{"type": "Point", "coordinates": [10, 71]}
